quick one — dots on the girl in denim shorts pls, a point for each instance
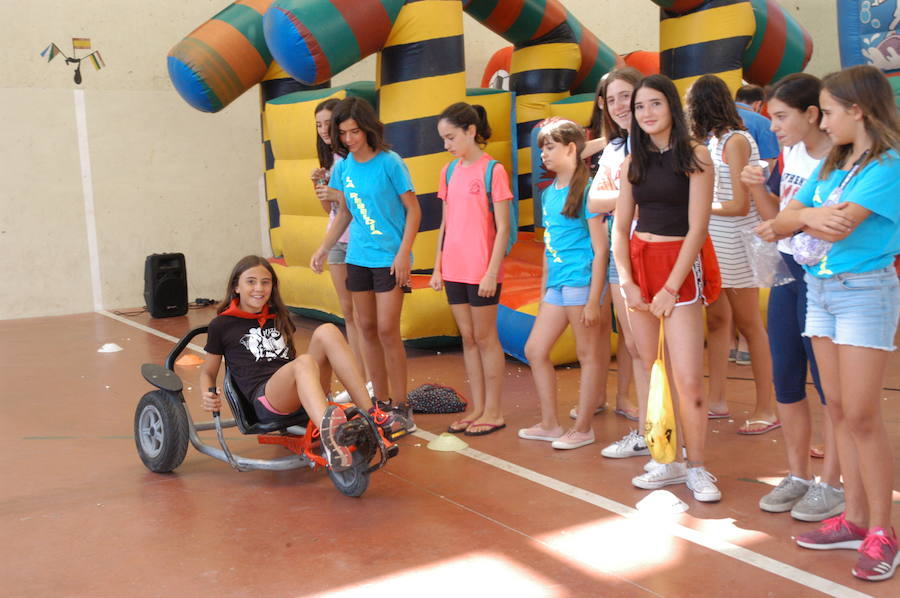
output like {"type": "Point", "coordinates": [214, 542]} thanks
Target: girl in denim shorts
{"type": "Point", "coordinates": [574, 280]}
{"type": "Point", "coordinates": [850, 214]}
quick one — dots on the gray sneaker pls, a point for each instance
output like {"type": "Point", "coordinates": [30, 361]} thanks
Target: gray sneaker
{"type": "Point", "coordinates": [820, 502]}
{"type": "Point", "coordinates": [785, 495]}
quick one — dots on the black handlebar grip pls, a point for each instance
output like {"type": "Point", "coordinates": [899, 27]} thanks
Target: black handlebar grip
{"type": "Point", "coordinates": [212, 389]}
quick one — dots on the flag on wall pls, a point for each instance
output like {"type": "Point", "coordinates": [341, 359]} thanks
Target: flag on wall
{"type": "Point", "coordinates": [81, 43]}
{"type": "Point", "coordinates": [51, 51]}
{"type": "Point", "coordinates": [96, 60]}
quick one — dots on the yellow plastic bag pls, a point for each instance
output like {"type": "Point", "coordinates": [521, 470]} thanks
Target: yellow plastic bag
{"type": "Point", "coordinates": [660, 427]}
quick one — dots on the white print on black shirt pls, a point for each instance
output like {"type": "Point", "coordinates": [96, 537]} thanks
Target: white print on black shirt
{"type": "Point", "coordinates": [265, 344]}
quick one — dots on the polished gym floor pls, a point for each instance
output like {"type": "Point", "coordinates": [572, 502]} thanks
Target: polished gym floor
{"type": "Point", "coordinates": [81, 516]}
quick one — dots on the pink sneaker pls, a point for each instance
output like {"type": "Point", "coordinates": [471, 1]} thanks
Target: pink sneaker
{"type": "Point", "coordinates": [878, 555]}
{"type": "Point", "coordinates": [536, 432]}
{"type": "Point", "coordinates": [339, 457]}
{"type": "Point", "coordinates": [835, 533]}
{"type": "Point", "coordinates": [573, 440]}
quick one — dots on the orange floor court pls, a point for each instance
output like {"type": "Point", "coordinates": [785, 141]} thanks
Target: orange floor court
{"type": "Point", "coordinates": [81, 516]}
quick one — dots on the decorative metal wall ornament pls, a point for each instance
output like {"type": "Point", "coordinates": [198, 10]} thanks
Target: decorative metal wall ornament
{"type": "Point", "coordinates": [78, 43]}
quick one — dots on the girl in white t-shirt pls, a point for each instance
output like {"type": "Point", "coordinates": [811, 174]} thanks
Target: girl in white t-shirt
{"type": "Point", "coordinates": [794, 108]}
{"type": "Point", "coordinates": [616, 91]}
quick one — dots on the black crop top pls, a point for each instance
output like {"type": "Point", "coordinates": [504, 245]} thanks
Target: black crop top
{"type": "Point", "coordinates": [663, 198]}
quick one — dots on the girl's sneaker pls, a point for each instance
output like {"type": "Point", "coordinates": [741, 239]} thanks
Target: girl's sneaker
{"type": "Point", "coordinates": [878, 555]}
{"type": "Point", "coordinates": [664, 475]}
{"type": "Point", "coordinates": [835, 533]}
{"type": "Point", "coordinates": [573, 439]}
{"type": "Point", "coordinates": [700, 482]}
{"type": "Point", "coordinates": [339, 457]}
{"type": "Point", "coordinates": [631, 445]}
{"type": "Point", "coordinates": [785, 495]}
{"type": "Point", "coordinates": [820, 502]}
{"type": "Point", "coordinates": [538, 433]}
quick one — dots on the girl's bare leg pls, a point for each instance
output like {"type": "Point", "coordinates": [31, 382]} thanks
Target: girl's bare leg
{"type": "Point", "coordinates": [594, 361]}
{"type": "Point", "coordinates": [462, 313]}
{"type": "Point", "coordinates": [373, 355]}
{"type": "Point", "coordinates": [550, 323]}
{"type": "Point", "coordinates": [492, 364]}
{"type": "Point", "coordinates": [388, 306]}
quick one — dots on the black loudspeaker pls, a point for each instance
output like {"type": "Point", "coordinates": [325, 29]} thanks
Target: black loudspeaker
{"type": "Point", "coordinates": [165, 285]}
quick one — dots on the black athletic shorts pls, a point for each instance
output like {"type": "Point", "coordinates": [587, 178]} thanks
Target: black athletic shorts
{"type": "Point", "coordinates": [361, 278]}
{"type": "Point", "coordinates": [463, 292]}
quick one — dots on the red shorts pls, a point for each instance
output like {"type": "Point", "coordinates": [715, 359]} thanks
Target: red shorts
{"type": "Point", "coordinates": [651, 264]}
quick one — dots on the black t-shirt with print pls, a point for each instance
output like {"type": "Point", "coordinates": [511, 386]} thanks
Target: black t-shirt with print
{"type": "Point", "coordinates": [251, 353]}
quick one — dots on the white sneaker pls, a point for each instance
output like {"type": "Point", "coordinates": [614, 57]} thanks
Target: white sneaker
{"type": "Point", "coordinates": [652, 464]}
{"type": "Point", "coordinates": [701, 484]}
{"type": "Point", "coordinates": [631, 445]}
{"type": "Point", "coordinates": [664, 475]}
{"type": "Point", "coordinates": [344, 396]}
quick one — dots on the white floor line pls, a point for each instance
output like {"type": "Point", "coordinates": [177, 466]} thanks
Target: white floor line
{"type": "Point", "coordinates": [826, 586]}
{"type": "Point", "coordinates": [149, 330]}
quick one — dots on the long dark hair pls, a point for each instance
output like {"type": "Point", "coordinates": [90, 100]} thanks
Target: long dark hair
{"type": "Point", "coordinates": [799, 91]}
{"type": "Point", "coordinates": [711, 108]}
{"type": "Point", "coordinates": [362, 112]}
{"type": "Point", "coordinates": [596, 124]}
{"type": "Point", "coordinates": [629, 75]}
{"type": "Point", "coordinates": [324, 150]}
{"type": "Point", "coordinates": [680, 142]}
{"type": "Point", "coordinates": [866, 87]}
{"type": "Point", "coordinates": [276, 306]}
{"type": "Point", "coordinates": [463, 116]}
{"type": "Point", "coordinates": [566, 132]}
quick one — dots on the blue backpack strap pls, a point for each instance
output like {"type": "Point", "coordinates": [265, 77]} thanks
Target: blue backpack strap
{"type": "Point", "coordinates": [450, 168]}
{"type": "Point", "coordinates": [488, 181]}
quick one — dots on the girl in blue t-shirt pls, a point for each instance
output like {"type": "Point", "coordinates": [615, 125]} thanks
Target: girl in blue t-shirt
{"type": "Point", "coordinates": [850, 215]}
{"type": "Point", "coordinates": [337, 257]}
{"type": "Point", "coordinates": [377, 200]}
{"type": "Point", "coordinates": [573, 284]}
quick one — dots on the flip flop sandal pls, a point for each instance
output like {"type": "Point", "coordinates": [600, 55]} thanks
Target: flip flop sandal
{"type": "Point", "coordinates": [489, 429]}
{"type": "Point", "coordinates": [467, 422]}
{"type": "Point", "coordinates": [769, 426]}
{"type": "Point", "coordinates": [714, 415]}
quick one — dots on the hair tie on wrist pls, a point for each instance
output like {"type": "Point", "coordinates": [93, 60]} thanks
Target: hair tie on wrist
{"type": "Point", "coordinates": [671, 292]}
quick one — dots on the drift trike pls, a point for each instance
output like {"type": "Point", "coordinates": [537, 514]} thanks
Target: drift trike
{"type": "Point", "coordinates": [163, 426]}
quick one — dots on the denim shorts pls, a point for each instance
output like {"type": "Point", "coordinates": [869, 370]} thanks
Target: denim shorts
{"type": "Point", "coordinates": [612, 275]}
{"type": "Point", "coordinates": [338, 254]}
{"type": "Point", "coordinates": [571, 296]}
{"type": "Point", "coordinates": [860, 310]}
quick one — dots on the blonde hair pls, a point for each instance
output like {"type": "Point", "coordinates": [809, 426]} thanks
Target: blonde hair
{"type": "Point", "coordinates": [867, 88]}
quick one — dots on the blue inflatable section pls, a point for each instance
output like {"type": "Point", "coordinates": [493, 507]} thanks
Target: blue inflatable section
{"type": "Point", "coordinates": [867, 33]}
{"type": "Point", "coordinates": [288, 47]}
{"type": "Point", "coordinates": [191, 86]}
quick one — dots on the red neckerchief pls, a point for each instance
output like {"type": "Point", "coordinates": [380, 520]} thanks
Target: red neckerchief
{"type": "Point", "coordinates": [237, 312]}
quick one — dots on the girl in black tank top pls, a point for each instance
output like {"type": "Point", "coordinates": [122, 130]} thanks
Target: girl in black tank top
{"type": "Point", "coordinates": [671, 179]}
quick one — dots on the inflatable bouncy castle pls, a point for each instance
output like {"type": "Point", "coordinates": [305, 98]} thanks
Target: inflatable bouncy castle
{"type": "Point", "coordinates": [869, 33]}
{"type": "Point", "coordinates": [292, 48]}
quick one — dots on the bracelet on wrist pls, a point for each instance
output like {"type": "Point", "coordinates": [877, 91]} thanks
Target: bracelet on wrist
{"type": "Point", "coordinates": [671, 292]}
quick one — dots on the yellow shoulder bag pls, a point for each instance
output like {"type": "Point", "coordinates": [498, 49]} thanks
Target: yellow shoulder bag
{"type": "Point", "coordinates": [660, 426]}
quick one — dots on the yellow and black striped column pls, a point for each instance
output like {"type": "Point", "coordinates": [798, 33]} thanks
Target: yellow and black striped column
{"type": "Point", "coordinates": [421, 72]}
{"type": "Point", "coordinates": [707, 40]}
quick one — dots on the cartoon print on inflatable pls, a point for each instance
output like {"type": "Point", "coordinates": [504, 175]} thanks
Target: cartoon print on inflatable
{"type": "Point", "coordinates": [292, 48]}
{"type": "Point", "coordinates": [868, 34]}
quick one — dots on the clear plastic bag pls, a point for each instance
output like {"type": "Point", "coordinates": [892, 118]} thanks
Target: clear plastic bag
{"type": "Point", "coordinates": [769, 270]}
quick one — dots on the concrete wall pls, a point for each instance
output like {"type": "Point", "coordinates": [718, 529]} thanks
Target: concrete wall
{"type": "Point", "coordinates": [164, 176]}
